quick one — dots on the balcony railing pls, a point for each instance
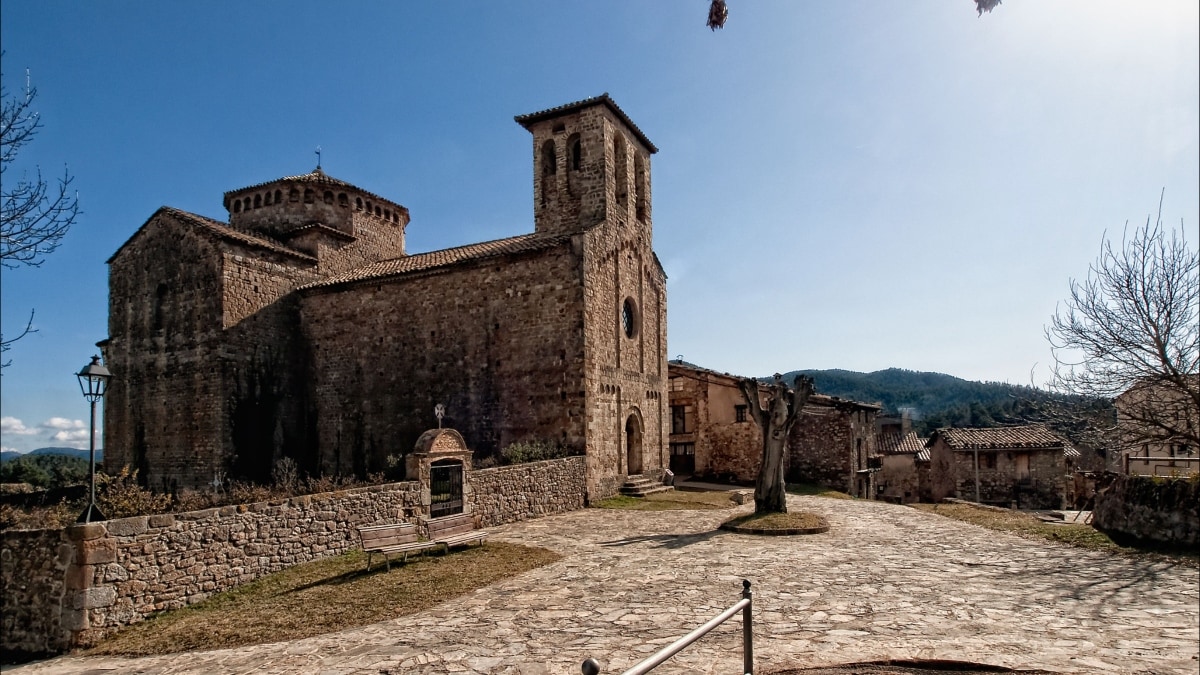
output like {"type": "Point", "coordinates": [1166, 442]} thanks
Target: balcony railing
{"type": "Point", "coordinates": [592, 667]}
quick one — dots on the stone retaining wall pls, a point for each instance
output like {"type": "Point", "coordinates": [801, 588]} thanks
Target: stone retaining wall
{"type": "Point", "coordinates": [34, 563]}
{"type": "Point", "coordinates": [70, 588]}
{"type": "Point", "coordinates": [522, 491]}
{"type": "Point", "coordinates": [1149, 510]}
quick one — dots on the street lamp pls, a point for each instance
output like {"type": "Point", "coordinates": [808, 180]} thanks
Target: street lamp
{"type": "Point", "coordinates": [93, 381]}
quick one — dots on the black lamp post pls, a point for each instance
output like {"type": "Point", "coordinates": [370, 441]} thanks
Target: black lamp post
{"type": "Point", "coordinates": [93, 381]}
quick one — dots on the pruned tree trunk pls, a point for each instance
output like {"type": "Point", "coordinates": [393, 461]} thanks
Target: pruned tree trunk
{"type": "Point", "coordinates": [775, 420]}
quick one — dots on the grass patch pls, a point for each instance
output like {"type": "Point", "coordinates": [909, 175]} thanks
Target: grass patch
{"type": "Point", "coordinates": [672, 500]}
{"type": "Point", "coordinates": [792, 520]}
{"type": "Point", "coordinates": [812, 490]}
{"type": "Point", "coordinates": [321, 597]}
{"type": "Point", "coordinates": [1030, 527]}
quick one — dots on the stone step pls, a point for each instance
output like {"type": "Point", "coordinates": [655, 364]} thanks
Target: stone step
{"type": "Point", "coordinates": [643, 489]}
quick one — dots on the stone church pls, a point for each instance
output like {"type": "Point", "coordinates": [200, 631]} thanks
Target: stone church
{"type": "Point", "coordinates": [301, 328]}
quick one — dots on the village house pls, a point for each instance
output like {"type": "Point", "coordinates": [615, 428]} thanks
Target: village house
{"type": "Point", "coordinates": [899, 478]}
{"type": "Point", "coordinates": [1025, 467]}
{"type": "Point", "coordinates": [714, 436]}
{"type": "Point", "coordinates": [1149, 418]}
{"type": "Point", "coordinates": [302, 328]}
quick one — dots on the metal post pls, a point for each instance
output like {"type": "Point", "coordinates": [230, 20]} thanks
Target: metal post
{"type": "Point", "coordinates": [747, 629]}
{"type": "Point", "coordinates": [92, 459]}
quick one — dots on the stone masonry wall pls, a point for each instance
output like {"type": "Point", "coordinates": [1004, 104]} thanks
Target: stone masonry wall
{"type": "Point", "coordinates": [32, 567]}
{"type": "Point", "coordinates": [70, 588]}
{"type": "Point", "coordinates": [1163, 511]}
{"type": "Point", "coordinates": [164, 329]}
{"type": "Point", "coordinates": [1000, 485]}
{"type": "Point", "coordinates": [830, 444]}
{"type": "Point", "coordinates": [498, 342]}
{"type": "Point", "coordinates": [519, 492]}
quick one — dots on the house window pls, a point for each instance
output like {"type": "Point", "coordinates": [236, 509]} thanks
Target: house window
{"type": "Point", "coordinates": [987, 460]}
{"type": "Point", "coordinates": [683, 419]}
{"type": "Point", "coordinates": [739, 413]}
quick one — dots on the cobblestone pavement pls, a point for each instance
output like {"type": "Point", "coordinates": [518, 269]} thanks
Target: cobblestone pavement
{"type": "Point", "coordinates": [885, 582]}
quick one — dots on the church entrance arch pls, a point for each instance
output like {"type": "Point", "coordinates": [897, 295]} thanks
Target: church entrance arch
{"type": "Point", "coordinates": [633, 444]}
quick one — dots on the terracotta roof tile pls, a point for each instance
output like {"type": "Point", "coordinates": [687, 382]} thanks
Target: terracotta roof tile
{"type": "Point", "coordinates": [998, 438]}
{"type": "Point", "coordinates": [443, 258]}
{"type": "Point", "coordinates": [220, 230]}
{"type": "Point", "coordinates": [316, 177]}
{"type": "Point", "coordinates": [526, 120]}
{"type": "Point", "coordinates": [894, 443]}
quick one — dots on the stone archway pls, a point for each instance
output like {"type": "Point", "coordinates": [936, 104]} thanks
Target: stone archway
{"type": "Point", "coordinates": [633, 444]}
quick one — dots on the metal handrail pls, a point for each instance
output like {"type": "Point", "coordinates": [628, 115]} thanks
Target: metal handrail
{"type": "Point", "coordinates": [745, 606]}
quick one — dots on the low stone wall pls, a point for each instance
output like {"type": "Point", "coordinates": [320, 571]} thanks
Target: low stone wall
{"type": "Point", "coordinates": [70, 588]}
{"type": "Point", "coordinates": [33, 564]}
{"type": "Point", "coordinates": [1164, 511]}
{"type": "Point", "coordinates": [509, 494]}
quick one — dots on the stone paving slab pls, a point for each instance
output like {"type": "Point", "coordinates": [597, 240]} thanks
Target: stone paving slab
{"type": "Point", "coordinates": [886, 582]}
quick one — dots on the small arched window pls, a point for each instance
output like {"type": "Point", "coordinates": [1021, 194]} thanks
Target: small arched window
{"type": "Point", "coordinates": [308, 195]}
{"type": "Point", "coordinates": [257, 201]}
{"type": "Point", "coordinates": [387, 214]}
{"type": "Point", "coordinates": [293, 195]}
{"type": "Point", "coordinates": [378, 212]}
{"type": "Point", "coordinates": [343, 200]}
{"type": "Point", "coordinates": [328, 196]}
{"type": "Point", "coordinates": [549, 161]}
{"type": "Point", "coordinates": [237, 206]}
{"type": "Point", "coordinates": [278, 197]}
{"type": "Point", "coordinates": [629, 318]}
{"type": "Point", "coordinates": [575, 152]}
{"type": "Point", "coordinates": [358, 203]}
{"type": "Point", "coordinates": [621, 173]}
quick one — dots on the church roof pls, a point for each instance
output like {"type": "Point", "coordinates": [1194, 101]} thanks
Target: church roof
{"type": "Point", "coordinates": [602, 99]}
{"type": "Point", "coordinates": [316, 177]}
{"type": "Point", "coordinates": [420, 262]}
{"type": "Point", "coordinates": [218, 229]}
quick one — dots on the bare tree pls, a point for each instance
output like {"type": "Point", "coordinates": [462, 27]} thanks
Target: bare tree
{"type": "Point", "coordinates": [775, 420]}
{"type": "Point", "coordinates": [1131, 332]}
{"type": "Point", "coordinates": [34, 214]}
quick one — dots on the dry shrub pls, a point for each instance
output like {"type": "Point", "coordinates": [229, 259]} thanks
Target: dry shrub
{"type": "Point", "coordinates": [120, 496]}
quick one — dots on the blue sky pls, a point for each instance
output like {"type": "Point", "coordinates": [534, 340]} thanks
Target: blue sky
{"type": "Point", "coordinates": [850, 184]}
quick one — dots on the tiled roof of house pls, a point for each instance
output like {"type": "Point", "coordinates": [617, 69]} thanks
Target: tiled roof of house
{"type": "Point", "coordinates": [999, 438]}
{"type": "Point", "coordinates": [444, 258]}
{"type": "Point", "coordinates": [317, 177]}
{"type": "Point", "coordinates": [923, 455]}
{"type": "Point", "coordinates": [895, 443]}
{"type": "Point", "coordinates": [220, 230]}
{"type": "Point", "coordinates": [526, 120]}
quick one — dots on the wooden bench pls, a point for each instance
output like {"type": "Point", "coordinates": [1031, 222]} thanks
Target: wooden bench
{"type": "Point", "coordinates": [456, 530]}
{"type": "Point", "coordinates": [390, 540]}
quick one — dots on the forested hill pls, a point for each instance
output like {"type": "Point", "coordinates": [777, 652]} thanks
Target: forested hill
{"type": "Point", "coordinates": [934, 399]}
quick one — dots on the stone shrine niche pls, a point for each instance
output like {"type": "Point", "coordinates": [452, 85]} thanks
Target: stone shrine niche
{"type": "Point", "coordinates": [439, 462]}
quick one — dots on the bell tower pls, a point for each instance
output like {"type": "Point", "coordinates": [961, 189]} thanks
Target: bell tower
{"type": "Point", "coordinates": [590, 164]}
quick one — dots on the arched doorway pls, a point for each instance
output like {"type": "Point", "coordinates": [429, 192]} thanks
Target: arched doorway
{"type": "Point", "coordinates": [633, 445]}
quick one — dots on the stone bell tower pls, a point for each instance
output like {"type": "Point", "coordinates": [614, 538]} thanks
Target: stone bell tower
{"type": "Point", "coordinates": [591, 163]}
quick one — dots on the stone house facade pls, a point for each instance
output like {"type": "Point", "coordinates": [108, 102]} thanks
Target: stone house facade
{"type": "Point", "coordinates": [1157, 427]}
{"type": "Point", "coordinates": [302, 328]}
{"type": "Point", "coordinates": [899, 478]}
{"type": "Point", "coordinates": [712, 434]}
{"type": "Point", "coordinates": [1025, 466]}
